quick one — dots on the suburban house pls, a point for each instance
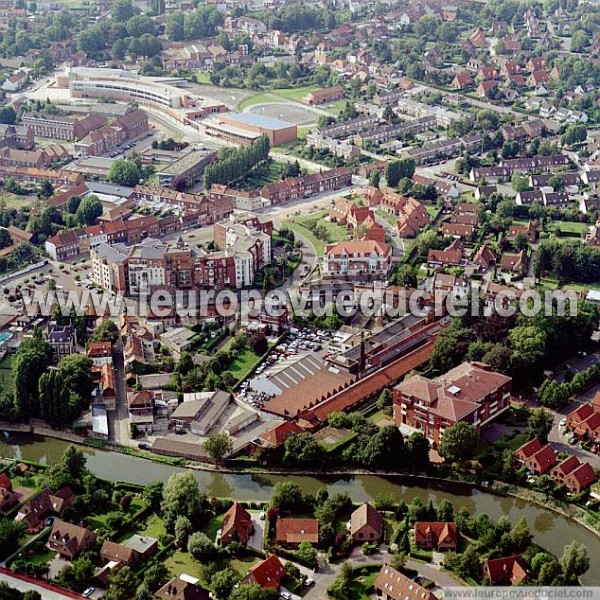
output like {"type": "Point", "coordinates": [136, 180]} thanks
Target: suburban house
{"type": "Point", "coordinates": [330, 94]}
{"type": "Point", "coordinates": [509, 570]}
{"type": "Point", "coordinates": [290, 533]}
{"type": "Point", "coordinates": [577, 476]}
{"type": "Point", "coordinates": [267, 573]}
{"type": "Point", "coordinates": [536, 457]}
{"type": "Point", "coordinates": [437, 535]}
{"type": "Point", "coordinates": [237, 525]}
{"type": "Point", "coordinates": [46, 503]}
{"type": "Point", "coordinates": [470, 392]}
{"type": "Point", "coordinates": [70, 540]}
{"type": "Point", "coordinates": [366, 525]}
{"type": "Point", "coordinates": [584, 421]}
{"type": "Point", "coordinates": [183, 587]}
{"type": "Point", "coordinates": [8, 498]}
{"type": "Point", "coordinates": [393, 585]}
{"type": "Point", "coordinates": [137, 549]}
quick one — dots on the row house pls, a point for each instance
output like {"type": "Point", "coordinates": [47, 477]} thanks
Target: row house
{"type": "Point", "coordinates": [538, 458]}
{"type": "Point", "coordinates": [61, 127]}
{"type": "Point", "coordinates": [37, 159]}
{"type": "Point", "coordinates": [470, 393]}
{"type": "Point", "coordinates": [350, 127]}
{"type": "Point", "coordinates": [67, 245]}
{"type": "Point", "coordinates": [228, 198]}
{"type": "Point", "coordinates": [16, 136]}
{"type": "Point", "coordinates": [293, 188]}
{"type": "Point", "coordinates": [37, 176]}
{"type": "Point", "coordinates": [109, 137]}
{"type": "Point", "coordinates": [385, 133]}
{"type": "Point", "coordinates": [335, 147]}
{"type": "Point", "coordinates": [323, 96]}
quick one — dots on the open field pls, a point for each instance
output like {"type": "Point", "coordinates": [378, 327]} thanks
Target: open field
{"type": "Point", "coordinates": [15, 201]}
{"type": "Point", "coordinates": [244, 362]}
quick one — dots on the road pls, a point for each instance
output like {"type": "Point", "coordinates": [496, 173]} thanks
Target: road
{"type": "Point", "coordinates": [26, 584]}
{"type": "Point", "coordinates": [327, 572]}
{"type": "Point", "coordinates": [118, 420]}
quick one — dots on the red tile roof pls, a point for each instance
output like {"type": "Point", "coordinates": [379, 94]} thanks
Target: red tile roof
{"type": "Point", "coordinates": [267, 574]}
{"type": "Point", "coordinates": [436, 533]}
{"type": "Point", "coordinates": [510, 569]}
{"type": "Point", "coordinates": [295, 531]}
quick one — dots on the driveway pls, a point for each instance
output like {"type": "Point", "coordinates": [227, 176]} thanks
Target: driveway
{"type": "Point", "coordinates": [327, 573]}
{"type": "Point", "coordinates": [256, 540]}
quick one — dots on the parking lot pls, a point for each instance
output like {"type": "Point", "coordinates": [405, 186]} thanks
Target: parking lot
{"type": "Point", "coordinates": [298, 342]}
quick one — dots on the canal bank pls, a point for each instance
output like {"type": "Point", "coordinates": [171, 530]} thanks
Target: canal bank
{"type": "Point", "coordinates": [552, 530]}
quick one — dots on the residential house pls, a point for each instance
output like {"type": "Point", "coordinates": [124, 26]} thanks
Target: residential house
{"type": "Point", "coordinates": [323, 96]}
{"type": "Point", "coordinates": [135, 551]}
{"type": "Point", "coordinates": [237, 525]}
{"type": "Point", "coordinates": [509, 570]}
{"type": "Point", "coordinates": [357, 259]}
{"type": "Point", "coordinates": [537, 458]}
{"type": "Point", "coordinates": [393, 585]}
{"type": "Point", "coordinates": [436, 535]}
{"type": "Point", "coordinates": [290, 533]}
{"type": "Point", "coordinates": [267, 574]}
{"type": "Point", "coordinates": [517, 264]}
{"type": "Point", "coordinates": [62, 340]}
{"type": "Point", "coordinates": [70, 540]}
{"type": "Point", "coordinates": [182, 587]}
{"type": "Point", "coordinates": [366, 525]}
{"type": "Point", "coordinates": [584, 421]}
{"type": "Point", "coordinates": [46, 503]}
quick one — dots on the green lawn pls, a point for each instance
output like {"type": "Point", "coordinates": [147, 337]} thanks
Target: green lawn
{"type": "Point", "coordinates": [203, 77]}
{"type": "Point", "coordinates": [214, 525]}
{"type": "Point", "coordinates": [243, 364]}
{"type": "Point", "coordinates": [392, 219]}
{"type": "Point", "coordinates": [153, 527]}
{"type": "Point", "coordinates": [242, 565]}
{"type": "Point", "coordinates": [295, 94]}
{"type": "Point", "coordinates": [302, 231]}
{"type": "Point", "coordinates": [570, 227]}
{"type": "Point", "coordinates": [362, 587]}
{"type": "Point", "coordinates": [432, 210]}
{"type": "Point", "coordinates": [335, 232]}
{"type": "Point", "coordinates": [182, 562]}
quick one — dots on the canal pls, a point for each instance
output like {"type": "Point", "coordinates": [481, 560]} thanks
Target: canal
{"type": "Point", "coordinates": [551, 530]}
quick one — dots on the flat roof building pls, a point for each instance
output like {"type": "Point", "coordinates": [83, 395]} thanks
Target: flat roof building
{"type": "Point", "coordinates": [245, 128]}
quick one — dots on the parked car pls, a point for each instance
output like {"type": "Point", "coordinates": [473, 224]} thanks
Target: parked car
{"type": "Point", "coordinates": [88, 592]}
{"type": "Point", "coordinates": [563, 422]}
{"type": "Point", "coordinates": [572, 440]}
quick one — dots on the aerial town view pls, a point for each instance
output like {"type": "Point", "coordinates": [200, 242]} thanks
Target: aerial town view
{"type": "Point", "coordinates": [299, 299]}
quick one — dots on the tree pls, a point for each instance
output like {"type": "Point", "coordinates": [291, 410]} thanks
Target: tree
{"type": "Point", "coordinates": [445, 511]}
{"type": "Point", "coordinates": [574, 562]}
{"type": "Point", "coordinates": [89, 210]}
{"type": "Point", "coordinates": [399, 169]}
{"type": "Point", "coordinates": [302, 449]}
{"type": "Point", "coordinates": [123, 583]}
{"type": "Point", "coordinates": [201, 547]}
{"type": "Point", "coordinates": [539, 425]}
{"type": "Point", "coordinates": [8, 116]}
{"type": "Point", "coordinates": [417, 452]}
{"type": "Point", "coordinates": [181, 496]}
{"type": "Point", "coordinates": [223, 582]}
{"type": "Point", "coordinates": [107, 331]}
{"type": "Point", "coordinates": [183, 530]}
{"type": "Point", "coordinates": [258, 343]}
{"type": "Point", "coordinates": [374, 179]}
{"type": "Point", "coordinates": [528, 346]}
{"type": "Point", "coordinates": [307, 554]}
{"type": "Point", "coordinates": [122, 11]}
{"type": "Point", "coordinates": [124, 172]}
{"type": "Point", "coordinates": [287, 496]}
{"type": "Point", "coordinates": [459, 442]}
{"type": "Point", "coordinates": [470, 562]}
{"type": "Point", "coordinates": [551, 574]}
{"type": "Point", "coordinates": [405, 276]}
{"type": "Point", "coordinates": [385, 399]}
{"type": "Point", "coordinates": [70, 470]}
{"type": "Point", "coordinates": [218, 445]}
{"type": "Point", "coordinates": [520, 183]}
{"type": "Point", "coordinates": [253, 591]}
{"type": "Point", "coordinates": [77, 575]}
{"type": "Point", "coordinates": [520, 535]}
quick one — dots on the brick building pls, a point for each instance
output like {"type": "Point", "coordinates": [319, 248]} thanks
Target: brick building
{"type": "Point", "coordinates": [470, 393]}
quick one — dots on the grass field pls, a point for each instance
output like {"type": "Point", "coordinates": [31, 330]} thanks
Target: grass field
{"type": "Point", "coordinates": [244, 363]}
{"type": "Point", "coordinates": [392, 219]}
{"type": "Point", "coordinates": [15, 201]}
{"type": "Point", "coordinates": [182, 562]}
{"type": "Point", "coordinates": [335, 233]}
{"type": "Point", "coordinates": [572, 228]}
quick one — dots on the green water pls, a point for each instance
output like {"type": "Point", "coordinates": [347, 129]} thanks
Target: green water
{"type": "Point", "coordinates": [551, 530]}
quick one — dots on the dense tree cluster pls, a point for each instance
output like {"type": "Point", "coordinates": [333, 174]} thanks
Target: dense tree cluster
{"type": "Point", "coordinates": [567, 261]}
{"type": "Point", "coordinates": [235, 163]}
{"type": "Point", "coordinates": [203, 22]}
